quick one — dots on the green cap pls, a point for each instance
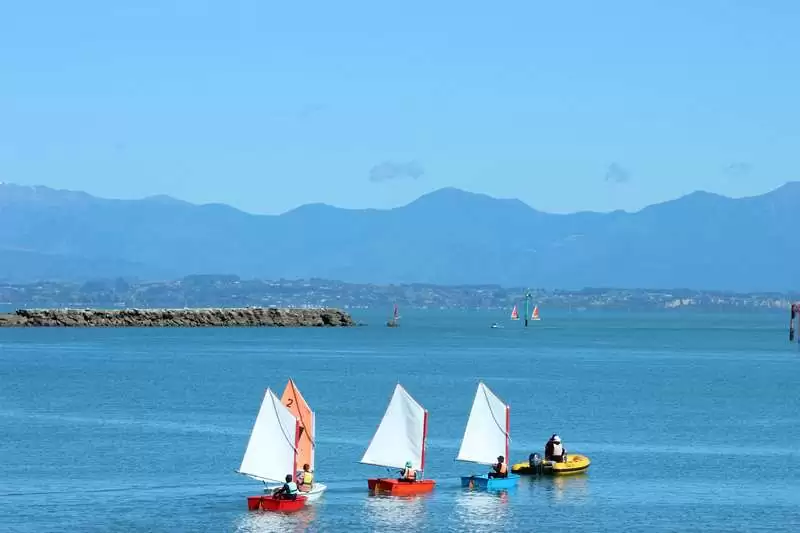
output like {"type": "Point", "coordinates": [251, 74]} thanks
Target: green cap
{"type": "Point", "coordinates": [408, 464]}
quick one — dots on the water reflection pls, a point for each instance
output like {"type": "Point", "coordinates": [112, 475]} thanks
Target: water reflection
{"type": "Point", "coordinates": [385, 513]}
{"type": "Point", "coordinates": [481, 511]}
{"type": "Point", "coordinates": [569, 488]}
{"type": "Point", "coordinates": [558, 489]}
{"type": "Point", "coordinates": [266, 522]}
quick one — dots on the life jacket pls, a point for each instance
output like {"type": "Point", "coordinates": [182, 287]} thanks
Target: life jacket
{"type": "Point", "coordinates": [558, 450]}
{"type": "Point", "coordinates": [292, 486]}
{"type": "Point", "coordinates": [307, 478]}
{"type": "Point", "coordinates": [410, 474]}
{"type": "Point", "coordinates": [502, 468]}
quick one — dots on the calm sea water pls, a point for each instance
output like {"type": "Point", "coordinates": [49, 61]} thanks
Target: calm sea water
{"type": "Point", "coordinates": [692, 423]}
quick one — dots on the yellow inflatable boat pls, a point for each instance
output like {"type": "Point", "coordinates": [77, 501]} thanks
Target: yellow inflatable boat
{"type": "Point", "coordinates": [575, 464]}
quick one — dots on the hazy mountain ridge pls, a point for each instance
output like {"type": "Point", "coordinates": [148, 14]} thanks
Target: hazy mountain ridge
{"type": "Point", "coordinates": [701, 240]}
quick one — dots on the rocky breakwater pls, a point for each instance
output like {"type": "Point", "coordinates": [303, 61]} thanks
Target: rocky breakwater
{"type": "Point", "coordinates": [181, 318]}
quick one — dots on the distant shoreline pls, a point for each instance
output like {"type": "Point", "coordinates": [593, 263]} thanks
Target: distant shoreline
{"type": "Point", "coordinates": [181, 318]}
{"type": "Point", "coordinates": [226, 291]}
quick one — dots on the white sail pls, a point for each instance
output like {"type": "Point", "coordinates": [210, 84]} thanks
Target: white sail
{"type": "Point", "coordinates": [401, 434]}
{"type": "Point", "coordinates": [270, 453]}
{"type": "Point", "coordinates": [486, 435]}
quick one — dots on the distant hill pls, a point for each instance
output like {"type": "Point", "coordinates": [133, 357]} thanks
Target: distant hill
{"type": "Point", "coordinates": [446, 237]}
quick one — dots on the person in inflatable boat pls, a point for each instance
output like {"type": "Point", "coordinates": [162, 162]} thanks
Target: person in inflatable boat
{"type": "Point", "coordinates": [499, 469]}
{"type": "Point", "coordinates": [408, 474]}
{"type": "Point", "coordinates": [554, 450]}
{"type": "Point", "coordinates": [288, 491]}
{"type": "Point", "coordinates": [305, 479]}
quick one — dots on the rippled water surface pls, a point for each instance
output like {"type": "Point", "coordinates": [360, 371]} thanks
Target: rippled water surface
{"type": "Point", "coordinates": [692, 423]}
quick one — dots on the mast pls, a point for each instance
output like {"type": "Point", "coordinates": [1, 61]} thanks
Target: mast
{"type": "Point", "coordinates": [508, 428]}
{"type": "Point", "coordinates": [424, 440]}
{"type": "Point", "coordinates": [293, 471]}
{"type": "Point", "coordinates": [313, 444]}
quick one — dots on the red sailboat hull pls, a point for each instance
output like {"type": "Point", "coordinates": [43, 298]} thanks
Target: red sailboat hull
{"type": "Point", "coordinates": [275, 505]}
{"type": "Point", "coordinates": [394, 487]}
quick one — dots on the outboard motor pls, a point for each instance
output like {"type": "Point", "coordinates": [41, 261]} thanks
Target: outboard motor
{"type": "Point", "coordinates": [535, 462]}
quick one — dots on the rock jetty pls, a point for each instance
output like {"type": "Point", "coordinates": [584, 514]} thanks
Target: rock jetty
{"type": "Point", "coordinates": [180, 318]}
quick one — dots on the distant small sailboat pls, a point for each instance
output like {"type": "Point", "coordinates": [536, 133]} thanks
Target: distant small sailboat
{"type": "Point", "coordinates": [535, 315]}
{"type": "Point", "coordinates": [271, 454]}
{"type": "Point", "coordinates": [486, 437]}
{"type": "Point", "coordinates": [514, 313]}
{"type": "Point", "coordinates": [400, 437]}
{"type": "Point", "coordinates": [395, 320]}
{"type": "Point", "coordinates": [306, 445]}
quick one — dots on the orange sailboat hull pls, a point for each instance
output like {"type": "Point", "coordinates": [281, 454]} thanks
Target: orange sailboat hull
{"type": "Point", "coordinates": [276, 505]}
{"type": "Point", "coordinates": [394, 487]}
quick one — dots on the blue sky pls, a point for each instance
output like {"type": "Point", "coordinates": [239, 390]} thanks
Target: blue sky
{"type": "Point", "coordinates": [264, 105]}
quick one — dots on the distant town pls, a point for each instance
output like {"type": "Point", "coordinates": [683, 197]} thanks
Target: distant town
{"type": "Point", "coordinates": [231, 291]}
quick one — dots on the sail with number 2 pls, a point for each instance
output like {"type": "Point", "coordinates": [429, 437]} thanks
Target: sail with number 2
{"type": "Point", "coordinates": [306, 444]}
{"type": "Point", "coordinates": [297, 405]}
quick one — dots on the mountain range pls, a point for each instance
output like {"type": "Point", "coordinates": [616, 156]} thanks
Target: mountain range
{"type": "Point", "coordinates": [451, 237]}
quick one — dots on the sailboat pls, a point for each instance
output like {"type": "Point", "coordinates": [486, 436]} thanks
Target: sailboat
{"type": "Point", "coordinates": [271, 453]}
{"type": "Point", "coordinates": [400, 437]}
{"type": "Point", "coordinates": [535, 315]}
{"type": "Point", "coordinates": [306, 446]}
{"type": "Point", "coordinates": [485, 438]}
{"type": "Point", "coordinates": [514, 313]}
{"type": "Point", "coordinates": [394, 321]}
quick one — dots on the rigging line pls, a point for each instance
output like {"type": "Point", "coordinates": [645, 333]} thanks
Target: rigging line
{"type": "Point", "coordinates": [501, 428]}
{"type": "Point", "coordinates": [300, 413]}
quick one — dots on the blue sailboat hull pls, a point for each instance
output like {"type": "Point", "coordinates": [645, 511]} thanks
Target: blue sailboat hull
{"type": "Point", "coordinates": [484, 482]}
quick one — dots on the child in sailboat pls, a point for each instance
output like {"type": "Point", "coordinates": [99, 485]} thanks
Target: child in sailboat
{"type": "Point", "coordinates": [288, 491]}
{"type": "Point", "coordinates": [499, 469]}
{"type": "Point", "coordinates": [305, 479]}
{"type": "Point", "coordinates": [408, 474]}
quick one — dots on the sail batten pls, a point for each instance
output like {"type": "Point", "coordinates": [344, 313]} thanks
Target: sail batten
{"type": "Point", "coordinates": [400, 437]}
{"type": "Point", "coordinates": [486, 434]}
{"type": "Point", "coordinates": [271, 451]}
